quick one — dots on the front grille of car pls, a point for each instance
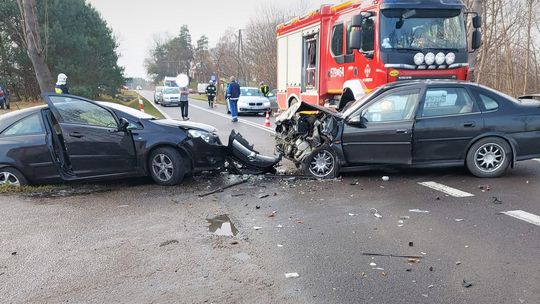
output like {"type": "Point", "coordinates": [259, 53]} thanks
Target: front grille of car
{"type": "Point", "coordinates": [255, 103]}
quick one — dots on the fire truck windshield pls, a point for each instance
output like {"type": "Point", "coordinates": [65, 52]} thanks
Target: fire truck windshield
{"type": "Point", "coordinates": [417, 29]}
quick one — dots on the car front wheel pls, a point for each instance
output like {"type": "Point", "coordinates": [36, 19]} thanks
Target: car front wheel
{"type": "Point", "coordinates": [489, 157]}
{"type": "Point", "coordinates": [12, 176]}
{"type": "Point", "coordinates": [166, 166]}
{"type": "Point", "coordinates": [322, 163]}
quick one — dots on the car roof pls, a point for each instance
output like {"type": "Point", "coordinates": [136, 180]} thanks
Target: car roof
{"type": "Point", "coordinates": [403, 83]}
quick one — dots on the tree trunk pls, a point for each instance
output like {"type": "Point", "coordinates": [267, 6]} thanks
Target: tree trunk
{"type": "Point", "coordinates": [33, 45]}
{"type": "Point", "coordinates": [528, 53]}
{"type": "Point", "coordinates": [477, 6]}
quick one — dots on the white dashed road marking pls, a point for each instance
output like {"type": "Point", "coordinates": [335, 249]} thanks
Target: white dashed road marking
{"type": "Point", "coordinates": [445, 189]}
{"type": "Point", "coordinates": [524, 216]}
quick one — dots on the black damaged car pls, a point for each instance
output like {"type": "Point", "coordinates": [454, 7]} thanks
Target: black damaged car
{"type": "Point", "coordinates": [72, 138]}
{"type": "Point", "coordinates": [415, 123]}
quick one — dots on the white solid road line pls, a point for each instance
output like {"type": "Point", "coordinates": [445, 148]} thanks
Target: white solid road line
{"type": "Point", "coordinates": [445, 189]}
{"type": "Point", "coordinates": [524, 216]}
{"type": "Point", "coordinates": [247, 122]}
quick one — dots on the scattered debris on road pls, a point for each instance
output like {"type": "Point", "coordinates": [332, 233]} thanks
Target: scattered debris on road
{"type": "Point", "coordinates": [392, 255]}
{"type": "Point", "coordinates": [291, 275]}
{"type": "Point", "coordinates": [257, 227]}
{"type": "Point", "coordinates": [484, 188]}
{"type": "Point", "coordinates": [496, 200]}
{"type": "Point", "coordinates": [458, 262]}
{"type": "Point", "coordinates": [235, 242]}
{"type": "Point", "coordinates": [169, 242]}
{"type": "Point", "coordinates": [411, 244]}
{"type": "Point", "coordinates": [264, 195]}
{"type": "Point", "coordinates": [418, 211]}
{"type": "Point", "coordinates": [221, 189]}
{"type": "Point", "coordinates": [466, 284]}
{"type": "Point", "coordinates": [273, 214]}
{"type": "Point", "coordinates": [459, 220]}
{"type": "Point", "coordinates": [14, 253]}
{"type": "Point", "coordinates": [375, 213]}
{"type": "Point", "coordinates": [385, 178]}
{"type": "Point", "coordinates": [221, 225]}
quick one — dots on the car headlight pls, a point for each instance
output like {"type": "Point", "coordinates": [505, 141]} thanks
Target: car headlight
{"type": "Point", "coordinates": [266, 103]}
{"type": "Point", "coordinates": [206, 136]}
{"type": "Point", "coordinates": [439, 58]}
{"type": "Point", "coordinates": [429, 58]}
{"type": "Point", "coordinates": [418, 58]}
{"type": "Point", "coordinates": [450, 58]}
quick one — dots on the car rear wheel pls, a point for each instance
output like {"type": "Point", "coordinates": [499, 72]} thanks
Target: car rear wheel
{"type": "Point", "coordinates": [12, 176]}
{"type": "Point", "coordinates": [322, 163]}
{"type": "Point", "coordinates": [166, 166]}
{"type": "Point", "coordinates": [489, 157]}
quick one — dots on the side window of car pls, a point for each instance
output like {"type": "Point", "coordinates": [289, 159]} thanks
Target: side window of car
{"type": "Point", "coordinates": [447, 101]}
{"type": "Point", "coordinates": [28, 125]}
{"type": "Point", "coordinates": [396, 106]}
{"type": "Point", "coordinates": [81, 112]}
{"type": "Point", "coordinates": [489, 103]}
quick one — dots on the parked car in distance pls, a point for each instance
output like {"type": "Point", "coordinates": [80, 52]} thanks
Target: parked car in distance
{"type": "Point", "coordinates": [413, 123]}
{"type": "Point", "coordinates": [251, 101]}
{"type": "Point", "coordinates": [201, 88]}
{"type": "Point", "coordinates": [72, 138]}
{"type": "Point", "coordinates": [139, 88]}
{"type": "Point", "coordinates": [158, 94]}
{"type": "Point", "coordinates": [530, 97]}
{"type": "Point", "coordinates": [170, 96]}
{"type": "Point", "coordinates": [272, 97]}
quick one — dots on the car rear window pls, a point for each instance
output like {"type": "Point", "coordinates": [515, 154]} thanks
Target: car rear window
{"type": "Point", "coordinates": [28, 125]}
{"type": "Point", "coordinates": [489, 103]}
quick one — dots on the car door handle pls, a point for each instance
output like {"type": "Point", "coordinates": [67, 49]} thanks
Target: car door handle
{"type": "Point", "coordinates": [469, 124]}
{"type": "Point", "coordinates": [402, 131]}
{"type": "Point", "coordinates": [76, 135]}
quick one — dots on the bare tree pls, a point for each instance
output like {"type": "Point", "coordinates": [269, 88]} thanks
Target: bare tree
{"type": "Point", "coordinates": [32, 40]}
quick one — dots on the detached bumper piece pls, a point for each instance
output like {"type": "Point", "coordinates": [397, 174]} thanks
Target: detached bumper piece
{"type": "Point", "coordinates": [243, 159]}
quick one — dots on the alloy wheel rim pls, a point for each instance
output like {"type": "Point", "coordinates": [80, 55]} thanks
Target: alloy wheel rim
{"type": "Point", "coordinates": [322, 164]}
{"type": "Point", "coordinates": [162, 167]}
{"type": "Point", "coordinates": [8, 178]}
{"type": "Point", "coordinates": [489, 157]}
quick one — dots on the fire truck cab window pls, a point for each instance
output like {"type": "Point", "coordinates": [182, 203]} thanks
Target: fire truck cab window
{"type": "Point", "coordinates": [337, 40]}
{"type": "Point", "coordinates": [368, 34]}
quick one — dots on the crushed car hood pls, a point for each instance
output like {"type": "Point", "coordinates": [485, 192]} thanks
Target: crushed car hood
{"type": "Point", "coordinates": [305, 107]}
{"type": "Point", "coordinates": [185, 125]}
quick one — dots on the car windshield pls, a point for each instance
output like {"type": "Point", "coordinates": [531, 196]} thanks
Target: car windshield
{"type": "Point", "coordinates": [249, 92]}
{"type": "Point", "coordinates": [171, 91]}
{"type": "Point", "coordinates": [420, 29]}
{"type": "Point", "coordinates": [355, 105]}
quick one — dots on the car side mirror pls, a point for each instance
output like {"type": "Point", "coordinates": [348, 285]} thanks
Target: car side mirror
{"type": "Point", "coordinates": [357, 121]}
{"type": "Point", "coordinates": [124, 124]}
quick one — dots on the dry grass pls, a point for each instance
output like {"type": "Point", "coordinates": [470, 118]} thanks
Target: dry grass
{"type": "Point", "coordinates": [19, 105]}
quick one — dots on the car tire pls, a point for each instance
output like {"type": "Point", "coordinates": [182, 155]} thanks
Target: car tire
{"type": "Point", "coordinates": [12, 176]}
{"type": "Point", "coordinates": [489, 157]}
{"type": "Point", "coordinates": [321, 163]}
{"type": "Point", "coordinates": [166, 166]}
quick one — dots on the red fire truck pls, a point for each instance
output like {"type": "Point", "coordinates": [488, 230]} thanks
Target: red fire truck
{"type": "Point", "coordinates": [341, 52]}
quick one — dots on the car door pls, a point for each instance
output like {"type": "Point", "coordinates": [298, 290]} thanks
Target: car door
{"type": "Point", "coordinates": [93, 143]}
{"type": "Point", "coordinates": [381, 131]}
{"type": "Point", "coordinates": [447, 121]}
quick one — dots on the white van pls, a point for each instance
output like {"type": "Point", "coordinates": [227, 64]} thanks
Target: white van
{"type": "Point", "coordinates": [201, 88]}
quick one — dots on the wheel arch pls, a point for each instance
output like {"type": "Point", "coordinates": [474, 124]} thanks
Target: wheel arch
{"type": "Point", "coordinates": [509, 140]}
{"type": "Point", "coordinates": [293, 96]}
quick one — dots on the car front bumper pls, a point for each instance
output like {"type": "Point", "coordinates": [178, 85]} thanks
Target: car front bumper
{"type": "Point", "coordinates": [170, 102]}
{"type": "Point", "coordinates": [252, 109]}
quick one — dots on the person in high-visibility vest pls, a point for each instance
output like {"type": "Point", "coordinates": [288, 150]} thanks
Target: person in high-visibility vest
{"type": "Point", "coordinates": [264, 89]}
{"type": "Point", "coordinates": [211, 93]}
{"type": "Point", "coordinates": [61, 84]}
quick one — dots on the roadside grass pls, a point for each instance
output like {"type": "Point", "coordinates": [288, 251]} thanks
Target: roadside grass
{"type": "Point", "coordinates": [58, 190]}
{"type": "Point", "coordinates": [204, 98]}
{"type": "Point", "coordinates": [9, 189]}
{"type": "Point", "coordinates": [129, 99]}
{"type": "Point", "coordinates": [20, 105]}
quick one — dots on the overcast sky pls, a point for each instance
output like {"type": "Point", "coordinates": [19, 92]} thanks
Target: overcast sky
{"type": "Point", "coordinates": [136, 22]}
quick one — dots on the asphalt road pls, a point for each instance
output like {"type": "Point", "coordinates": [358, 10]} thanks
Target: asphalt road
{"type": "Point", "coordinates": [144, 243]}
{"type": "Point", "coordinates": [465, 235]}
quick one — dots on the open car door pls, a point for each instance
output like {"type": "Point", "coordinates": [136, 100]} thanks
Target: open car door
{"type": "Point", "coordinates": [89, 138]}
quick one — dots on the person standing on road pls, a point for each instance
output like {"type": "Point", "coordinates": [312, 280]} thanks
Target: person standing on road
{"type": "Point", "coordinates": [61, 84]}
{"type": "Point", "coordinates": [264, 89]}
{"type": "Point", "coordinates": [233, 94]}
{"type": "Point", "coordinates": [4, 97]}
{"type": "Point", "coordinates": [211, 93]}
{"type": "Point", "coordinates": [184, 102]}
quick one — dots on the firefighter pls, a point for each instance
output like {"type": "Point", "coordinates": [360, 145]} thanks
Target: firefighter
{"type": "Point", "coordinates": [211, 93]}
{"type": "Point", "coordinates": [61, 84]}
{"type": "Point", "coordinates": [264, 90]}
{"type": "Point", "coordinates": [233, 94]}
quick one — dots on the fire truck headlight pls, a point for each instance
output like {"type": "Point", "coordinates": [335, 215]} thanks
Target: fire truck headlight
{"type": "Point", "coordinates": [429, 58]}
{"type": "Point", "coordinates": [418, 58]}
{"type": "Point", "coordinates": [439, 58]}
{"type": "Point", "coordinates": [450, 58]}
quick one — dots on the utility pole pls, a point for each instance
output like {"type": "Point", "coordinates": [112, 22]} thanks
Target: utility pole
{"type": "Point", "coordinates": [239, 54]}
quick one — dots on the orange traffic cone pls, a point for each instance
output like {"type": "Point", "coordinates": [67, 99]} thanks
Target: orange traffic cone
{"type": "Point", "coordinates": [267, 120]}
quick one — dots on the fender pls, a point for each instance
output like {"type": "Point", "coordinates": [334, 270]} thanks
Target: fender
{"type": "Point", "coordinates": [357, 87]}
{"type": "Point", "coordinates": [510, 140]}
{"type": "Point", "coordinates": [290, 98]}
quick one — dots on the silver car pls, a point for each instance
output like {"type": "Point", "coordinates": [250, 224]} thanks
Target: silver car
{"type": "Point", "coordinates": [252, 101]}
